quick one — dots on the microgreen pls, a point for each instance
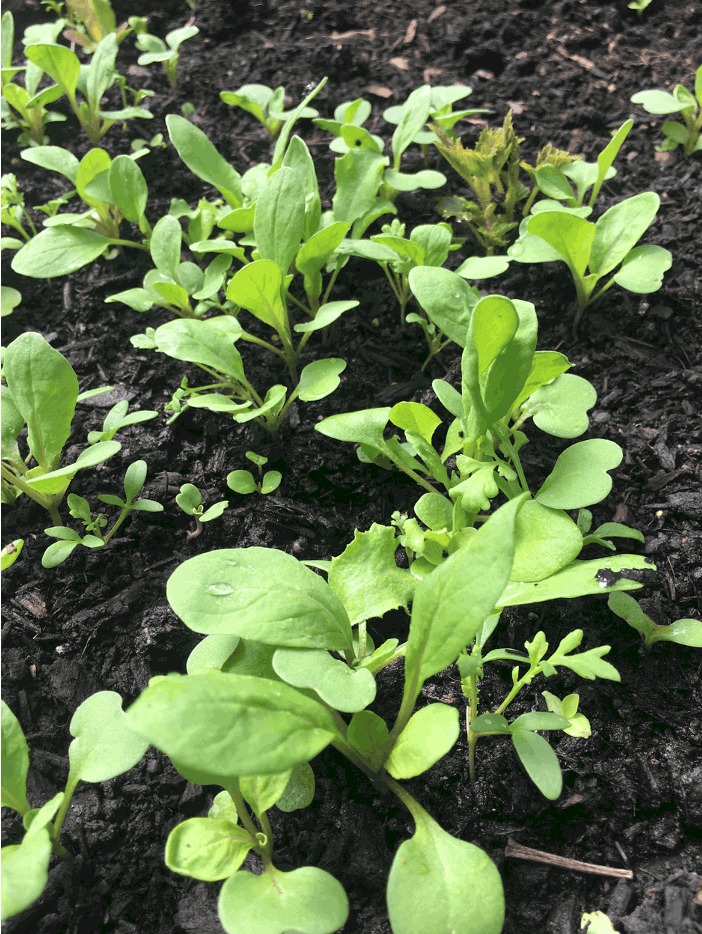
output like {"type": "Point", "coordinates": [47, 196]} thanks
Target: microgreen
{"type": "Point", "coordinates": [639, 6]}
{"type": "Point", "coordinates": [592, 251]}
{"type": "Point", "coordinates": [535, 754]}
{"type": "Point", "coordinates": [244, 482]}
{"type": "Point", "coordinates": [683, 631]}
{"type": "Point", "coordinates": [265, 104]}
{"type": "Point", "coordinates": [10, 553]}
{"type": "Point", "coordinates": [116, 419]}
{"type": "Point", "coordinates": [79, 508]}
{"type": "Point", "coordinates": [681, 100]}
{"type": "Point", "coordinates": [103, 748]}
{"type": "Point", "coordinates": [156, 50]}
{"type": "Point", "coordinates": [190, 501]}
{"type": "Point", "coordinates": [112, 190]}
{"type": "Point", "coordinates": [63, 66]}
{"type": "Point", "coordinates": [41, 392]}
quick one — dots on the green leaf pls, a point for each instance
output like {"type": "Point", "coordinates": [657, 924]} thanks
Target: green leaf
{"type": "Point", "coordinates": [413, 416]}
{"type": "Point", "coordinates": [307, 900]}
{"type": "Point", "coordinates": [618, 230]}
{"type": "Point", "coordinates": [201, 157]}
{"type": "Point", "coordinates": [241, 481]}
{"type": "Point", "coordinates": [570, 236]}
{"type": "Point", "coordinates": [59, 251]}
{"type": "Point", "coordinates": [257, 287]}
{"type": "Point", "coordinates": [369, 734]}
{"type": "Point", "coordinates": [262, 791]}
{"type": "Point", "coordinates": [546, 541]}
{"type": "Point", "coordinates": [452, 602]}
{"type": "Point", "coordinates": [607, 157]}
{"type": "Point", "coordinates": [93, 164]}
{"type": "Point", "coordinates": [57, 480]}
{"type": "Point", "coordinates": [101, 72]}
{"type": "Point", "coordinates": [490, 723]}
{"type": "Point", "coordinates": [415, 113]}
{"type": "Point", "coordinates": [212, 652]}
{"type": "Point", "coordinates": [203, 342]}
{"type": "Point", "coordinates": [260, 594]}
{"type": "Point", "coordinates": [578, 579]}
{"type": "Point", "coordinates": [447, 299]}
{"type": "Point", "coordinates": [656, 102]}
{"type": "Point", "coordinates": [299, 792]}
{"type": "Point", "coordinates": [540, 762]}
{"type": "Point", "coordinates": [439, 884]}
{"type": "Point", "coordinates": [279, 219]}
{"type": "Point", "coordinates": [406, 181]}
{"type": "Point", "coordinates": [642, 269]}
{"type": "Point", "coordinates": [165, 245]}
{"type": "Point", "coordinates": [428, 736]}
{"type": "Point", "coordinates": [358, 176]}
{"type": "Point", "coordinates": [25, 872]}
{"type": "Point", "coordinates": [435, 241]}
{"type": "Point", "coordinates": [580, 476]}
{"type": "Point", "coordinates": [546, 366]}
{"type": "Point", "coordinates": [326, 315]}
{"type": "Point", "coordinates": [435, 511]}
{"type": "Point", "coordinates": [338, 685]}
{"type": "Point", "coordinates": [254, 726]}
{"type": "Point", "coordinates": [366, 577]}
{"type": "Point", "coordinates": [15, 763]}
{"type": "Point", "coordinates": [364, 427]}
{"type": "Point", "coordinates": [128, 187]}
{"type": "Point", "coordinates": [313, 254]}
{"type": "Point", "coordinates": [53, 158]}
{"type": "Point", "coordinates": [207, 849]}
{"type": "Point", "coordinates": [320, 378]}
{"type": "Point", "coordinates": [683, 631]}
{"type": "Point", "coordinates": [44, 391]}
{"type": "Point", "coordinates": [58, 62]}
{"type": "Point", "coordinates": [104, 746]}
{"type": "Point", "coordinates": [292, 117]}
{"type": "Point", "coordinates": [483, 267]}
{"type": "Point", "coordinates": [560, 408]}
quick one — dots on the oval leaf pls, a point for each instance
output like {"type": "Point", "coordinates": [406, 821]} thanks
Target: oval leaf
{"type": "Point", "coordinates": [428, 736]}
{"type": "Point", "coordinates": [580, 476]}
{"type": "Point", "coordinates": [338, 685]}
{"type": "Point", "coordinates": [207, 849]}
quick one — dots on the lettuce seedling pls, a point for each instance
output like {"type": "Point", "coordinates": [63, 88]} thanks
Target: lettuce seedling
{"type": "Point", "coordinates": [494, 163]}
{"type": "Point", "coordinates": [104, 747]}
{"type": "Point", "coordinates": [211, 346]}
{"type": "Point", "coordinates": [156, 50]}
{"type": "Point", "coordinates": [277, 671]}
{"type": "Point", "coordinates": [535, 754]}
{"type": "Point", "coordinates": [41, 392]}
{"type": "Point", "coordinates": [568, 708]}
{"type": "Point", "coordinates": [265, 104]}
{"type": "Point", "coordinates": [639, 6]}
{"type": "Point", "coordinates": [244, 482]}
{"type": "Point", "coordinates": [15, 214]}
{"type": "Point", "coordinates": [681, 100]}
{"type": "Point", "coordinates": [30, 119]}
{"type": "Point", "coordinates": [116, 419]}
{"type": "Point", "coordinates": [683, 631]}
{"type": "Point", "coordinates": [10, 553]}
{"type": "Point", "coordinates": [79, 508]}
{"type": "Point", "coordinates": [598, 248]}
{"type": "Point", "coordinates": [190, 501]}
{"type": "Point", "coordinates": [505, 382]}
{"type": "Point", "coordinates": [112, 190]}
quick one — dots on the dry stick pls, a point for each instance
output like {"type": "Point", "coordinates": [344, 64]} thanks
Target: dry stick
{"type": "Point", "coordinates": [517, 851]}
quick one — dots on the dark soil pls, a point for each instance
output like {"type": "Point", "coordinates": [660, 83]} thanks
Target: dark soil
{"type": "Point", "coordinates": [633, 792]}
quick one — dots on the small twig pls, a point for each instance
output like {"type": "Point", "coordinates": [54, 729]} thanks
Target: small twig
{"type": "Point", "coordinates": [517, 851]}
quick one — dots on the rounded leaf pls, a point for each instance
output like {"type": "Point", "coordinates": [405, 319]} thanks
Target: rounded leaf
{"type": "Point", "coordinates": [428, 736]}
{"type": "Point", "coordinates": [104, 746]}
{"type": "Point", "coordinates": [320, 379]}
{"type": "Point", "coordinates": [580, 476]}
{"type": "Point", "coordinates": [212, 652]}
{"type": "Point", "coordinates": [207, 849]}
{"type": "Point", "coordinates": [299, 792]}
{"type": "Point", "coordinates": [546, 540]}
{"type": "Point", "coordinates": [560, 408]}
{"type": "Point", "coordinates": [540, 762]}
{"type": "Point", "coordinates": [338, 685]}
{"type": "Point", "coordinates": [307, 901]}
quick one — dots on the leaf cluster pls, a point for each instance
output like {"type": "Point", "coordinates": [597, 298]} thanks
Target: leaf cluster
{"type": "Point", "coordinates": [686, 134]}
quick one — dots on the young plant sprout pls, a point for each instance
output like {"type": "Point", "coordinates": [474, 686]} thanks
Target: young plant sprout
{"type": "Point", "coordinates": [79, 508]}
{"type": "Point", "coordinates": [117, 418]}
{"type": "Point", "coordinates": [190, 501]}
{"type": "Point", "coordinates": [682, 101]}
{"type": "Point", "coordinates": [265, 104]}
{"type": "Point", "coordinates": [683, 631]}
{"type": "Point", "coordinates": [156, 50]}
{"type": "Point", "coordinates": [243, 481]}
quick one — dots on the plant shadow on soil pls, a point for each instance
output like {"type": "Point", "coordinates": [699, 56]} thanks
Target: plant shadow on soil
{"type": "Point", "coordinates": [633, 792]}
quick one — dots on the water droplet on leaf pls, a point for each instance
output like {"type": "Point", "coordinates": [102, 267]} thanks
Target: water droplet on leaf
{"type": "Point", "coordinates": [220, 590]}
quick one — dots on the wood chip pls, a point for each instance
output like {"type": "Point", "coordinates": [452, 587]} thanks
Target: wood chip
{"type": "Point", "coordinates": [379, 91]}
{"type": "Point", "coordinates": [401, 63]}
{"type": "Point", "coordinates": [486, 75]}
{"type": "Point", "coordinates": [516, 106]}
{"type": "Point", "coordinates": [430, 73]}
{"type": "Point", "coordinates": [436, 14]}
{"type": "Point", "coordinates": [411, 32]}
{"type": "Point", "coordinates": [662, 158]}
{"type": "Point", "coordinates": [367, 33]}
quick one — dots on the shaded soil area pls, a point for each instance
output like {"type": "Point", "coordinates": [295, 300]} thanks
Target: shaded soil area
{"type": "Point", "coordinates": [633, 792]}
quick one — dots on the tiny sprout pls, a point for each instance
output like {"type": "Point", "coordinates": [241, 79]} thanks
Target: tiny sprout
{"type": "Point", "coordinates": [190, 501]}
{"type": "Point", "coordinates": [682, 631]}
{"type": "Point", "coordinates": [244, 482]}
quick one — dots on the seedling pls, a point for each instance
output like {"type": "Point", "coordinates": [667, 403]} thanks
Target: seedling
{"type": "Point", "coordinates": [677, 134]}
{"type": "Point", "coordinates": [79, 508]}
{"type": "Point", "coordinates": [568, 708]}
{"type": "Point", "coordinates": [41, 392]}
{"type": "Point", "coordinates": [112, 190]}
{"type": "Point", "coordinates": [639, 6]}
{"type": "Point", "coordinates": [244, 482]}
{"type": "Point", "coordinates": [683, 631]}
{"type": "Point", "coordinates": [15, 214]}
{"type": "Point", "coordinates": [10, 553]}
{"type": "Point", "coordinates": [103, 748]}
{"type": "Point", "coordinates": [10, 299]}
{"type": "Point", "coordinates": [156, 50]}
{"type": "Point", "coordinates": [190, 501]}
{"type": "Point", "coordinates": [535, 754]}
{"type": "Point", "coordinates": [504, 383]}
{"type": "Point", "coordinates": [116, 419]}
{"type": "Point", "coordinates": [63, 66]}
{"type": "Point", "coordinates": [598, 248]}
{"type": "Point", "coordinates": [33, 118]}
{"type": "Point", "coordinates": [265, 104]}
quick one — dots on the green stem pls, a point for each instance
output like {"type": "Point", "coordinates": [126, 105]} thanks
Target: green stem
{"type": "Point", "coordinates": [471, 714]}
{"type": "Point", "coordinates": [296, 301]}
{"type": "Point", "coordinates": [241, 809]}
{"type": "Point", "coordinates": [137, 246]}
{"type": "Point", "coordinates": [331, 283]}
{"type": "Point", "coordinates": [503, 435]}
{"type": "Point", "coordinates": [261, 343]}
